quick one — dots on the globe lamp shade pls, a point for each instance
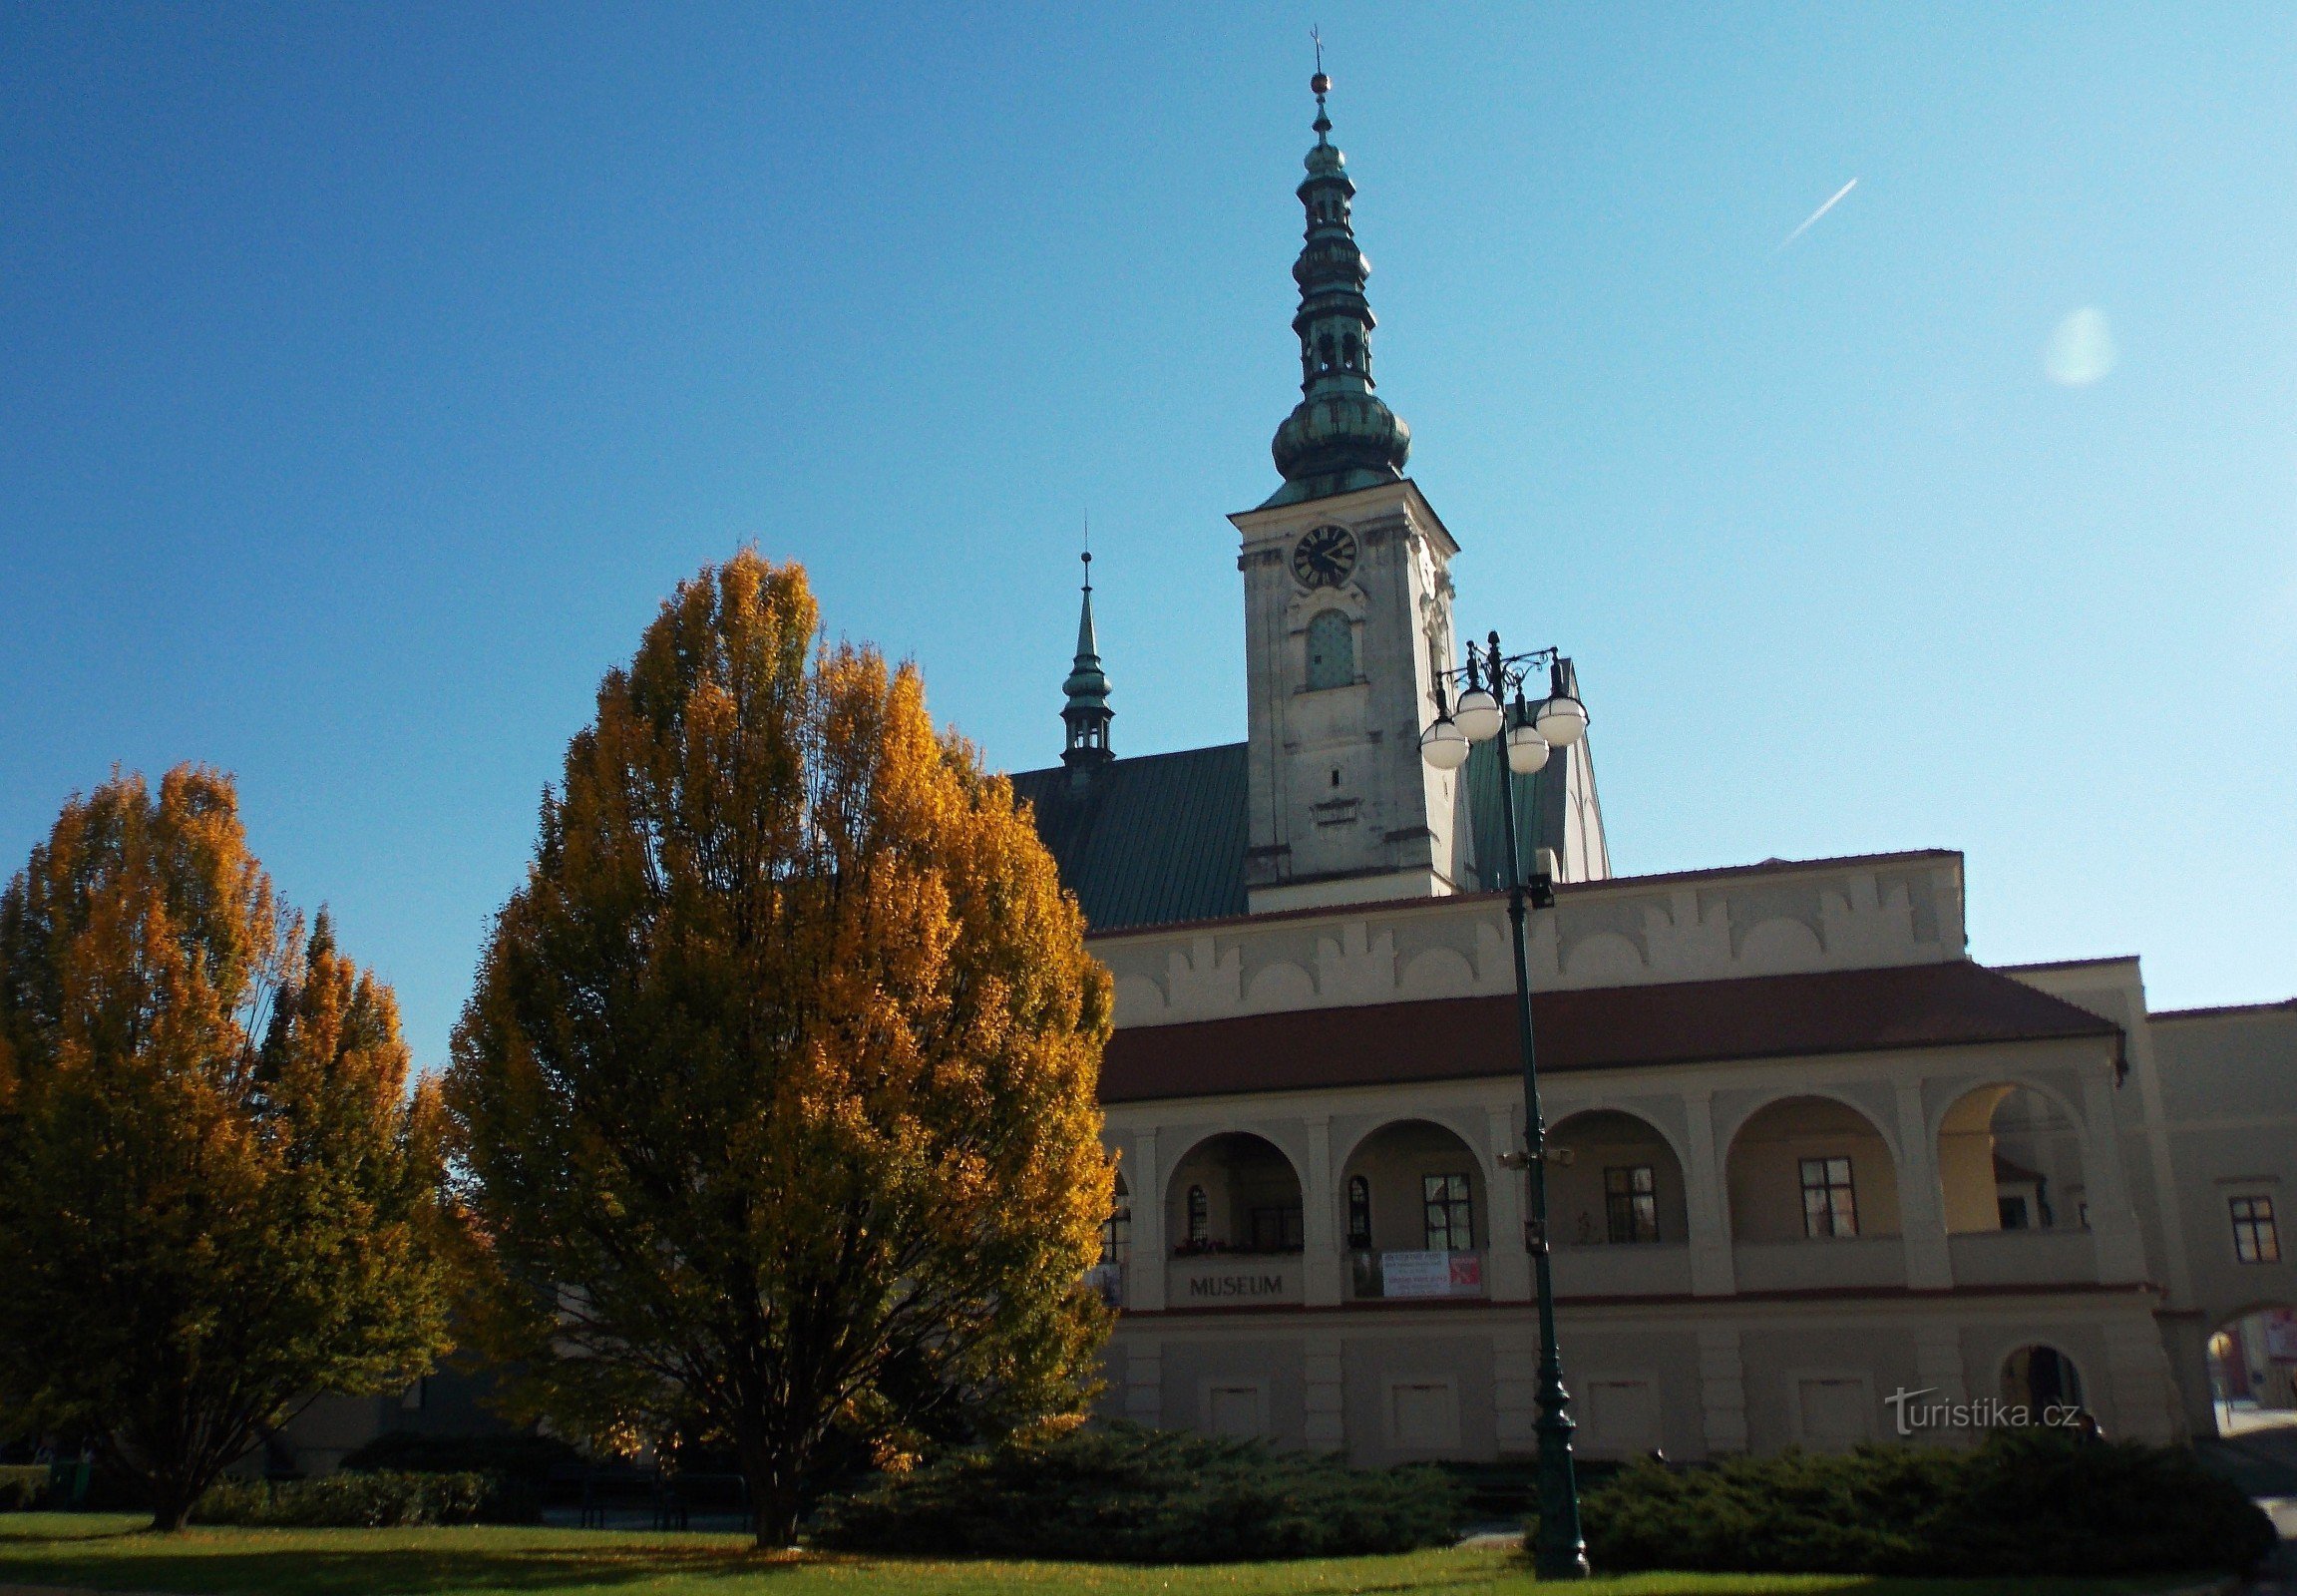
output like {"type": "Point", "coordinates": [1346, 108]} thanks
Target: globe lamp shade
{"type": "Point", "coordinates": [1526, 751]}
{"type": "Point", "coordinates": [1477, 715]}
{"type": "Point", "coordinates": [1562, 720]}
{"type": "Point", "coordinates": [1444, 746]}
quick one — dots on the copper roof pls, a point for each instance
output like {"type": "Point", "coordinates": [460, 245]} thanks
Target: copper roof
{"type": "Point", "coordinates": [1945, 1005]}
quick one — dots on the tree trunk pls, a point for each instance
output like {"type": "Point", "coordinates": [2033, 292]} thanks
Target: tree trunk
{"type": "Point", "coordinates": [773, 1495]}
{"type": "Point", "coordinates": [170, 1507]}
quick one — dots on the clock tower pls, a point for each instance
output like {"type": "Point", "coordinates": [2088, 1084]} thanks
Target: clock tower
{"type": "Point", "coordinates": [1348, 610]}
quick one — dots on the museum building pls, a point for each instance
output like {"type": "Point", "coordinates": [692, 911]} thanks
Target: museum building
{"type": "Point", "coordinates": [1803, 1152]}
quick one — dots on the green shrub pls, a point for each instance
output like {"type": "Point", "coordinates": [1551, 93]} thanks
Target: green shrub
{"type": "Point", "coordinates": [2025, 1502]}
{"type": "Point", "coordinates": [1126, 1494]}
{"type": "Point", "coordinates": [354, 1500]}
{"type": "Point", "coordinates": [22, 1486]}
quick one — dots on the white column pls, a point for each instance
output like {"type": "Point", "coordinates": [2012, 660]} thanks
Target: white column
{"type": "Point", "coordinates": [1319, 1238]}
{"type": "Point", "coordinates": [1723, 1390]}
{"type": "Point", "coordinates": [1507, 1264]}
{"type": "Point", "coordinates": [1921, 1203]}
{"type": "Point", "coordinates": [1146, 1289]}
{"type": "Point", "coordinates": [1707, 1196]}
{"type": "Point", "coordinates": [2144, 1397]}
{"type": "Point", "coordinates": [2112, 1217]}
{"type": "Point", "coordinates": [1325, 1425]}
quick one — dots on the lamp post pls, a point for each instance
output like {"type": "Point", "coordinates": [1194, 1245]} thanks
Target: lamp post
{"type": "Point", "coordinates": [1557, 721]}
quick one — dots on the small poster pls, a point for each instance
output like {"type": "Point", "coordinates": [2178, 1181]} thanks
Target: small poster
{"type": "Point", "coordinates": [2281, 1334]}
{"type": "Point", "coordinates": [1432, 1274]}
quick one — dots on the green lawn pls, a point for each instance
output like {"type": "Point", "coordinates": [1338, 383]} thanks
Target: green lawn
{"type": "Point", "coordinates": [111, 1552]}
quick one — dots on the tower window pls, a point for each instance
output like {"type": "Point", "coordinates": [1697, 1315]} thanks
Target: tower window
{"type": "Point", "coordinates": [1450, 1213]}
{"type": "Point", "coordinates": [1331, 650]}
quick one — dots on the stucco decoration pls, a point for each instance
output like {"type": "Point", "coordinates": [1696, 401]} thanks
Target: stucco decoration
{"type": "Point", "coordinates": [1280, 985]}
{"type": "Point", "coordinates": [1203, 978]}
{"type": "Point", "coordinates": [1604, 958]}
{"type": "Point", "coordinates": [1357, 968]}
{"type": "Point", "coordinates": [1777, 947]}
{"type": "Point", "coordinates": [1867, 925]}
{"type": "Point", "coordinates": [1140, 1000]}
{"type": "Point", "coordinates": [1438, 973]}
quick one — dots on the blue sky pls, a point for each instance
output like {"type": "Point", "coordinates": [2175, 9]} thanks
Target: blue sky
{"type": "Point", "coordinates": [367, 376]}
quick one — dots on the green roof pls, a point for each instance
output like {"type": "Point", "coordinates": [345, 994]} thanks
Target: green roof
{"type": "Point", "coordinates": [1149, 841]}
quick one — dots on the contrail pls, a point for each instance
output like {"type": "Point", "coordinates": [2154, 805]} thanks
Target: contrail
{"type": "Point", "coordinates": [1815, 214]}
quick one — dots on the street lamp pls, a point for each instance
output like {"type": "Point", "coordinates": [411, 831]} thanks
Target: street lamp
{"type": "Point", "coordinates": [1556, 721]}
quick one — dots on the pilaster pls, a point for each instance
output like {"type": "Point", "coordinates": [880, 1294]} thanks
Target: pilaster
{"type": "Point", "coordinates": [2112, 1217]}
{"type": "Point", "coordinates": [1723, 1389]}
{"type": "Point", "coordinates": [1707, 1198]}
{"type": "Point", "coordinates": [1325, 1425]}
{"type": "Point", "coordinates": [1508, 1265]}
{"type": "Point", "coordinates": [1144, 1380]}
{"type": "Point", "coordinates": [1319, 1230]}
{"type": "Point", "coordinates": [1145, 1184]}
{"type": "Point", "coordinates": [1921, 1201]}
{"type": "Point", "coordinates": [1515, 1389]}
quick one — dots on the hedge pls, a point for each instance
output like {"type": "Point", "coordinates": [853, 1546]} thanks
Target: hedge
{"type": "Point", "coordinates": [364, 1500]}
{"type": "Point", "coordinates": [2025, 1502]}
{"type": "Point", "coordinates": [1128, 1494]}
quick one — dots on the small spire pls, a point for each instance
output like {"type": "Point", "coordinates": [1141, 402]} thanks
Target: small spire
{"type": "Point", "coordinates": [1320, 85]}
{"type": "Point", "coordinates": [1087, 714]}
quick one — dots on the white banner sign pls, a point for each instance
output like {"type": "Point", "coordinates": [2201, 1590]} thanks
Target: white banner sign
{"type": "Point", "coordinates": [1432, 1274]}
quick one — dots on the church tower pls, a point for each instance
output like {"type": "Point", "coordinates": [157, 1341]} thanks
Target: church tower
{"type": "Point", "coordinates": [1348, 610]}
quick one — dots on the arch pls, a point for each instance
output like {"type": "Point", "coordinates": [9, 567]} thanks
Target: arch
{"type": "Point", "coordinates": [2005, 1164]}
{"type": "Point", "coordinates": [2250, 1388]}
{"type": "Point", "coordinates": [1622, 1183]}
{"type": "Point", "coordinates": [1810, 1167]}
{"type": "Point", "coordinates": [2037, 1375]}
{"type": "Point", "coordinates": [1782, 945]}
{"type": "Point", "coordinates": [1606, 956]}
{"type": "Point", "coordinates": [1331, 650]}
{"type": "Point", "coordinates": [1280, 985]}
{"type": "Point", "coordinates": [1234, 1192]}
{"type": "Point", "coordinates": [1437, 973]}
{"type": "Point", "coordinates": [1428, 1191]}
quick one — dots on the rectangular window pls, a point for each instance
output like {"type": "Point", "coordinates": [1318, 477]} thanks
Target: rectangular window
{"type": "Point", "coordinates": [1829, 1204]}
{"type": "Point", "coordinates": [2257, 1237]}
{"type": "Point", "coordinates": [1450, 1213]}
{"type": "Point", "coordinates": [2012, 1212]}
{"type": "Point", "coordinates": [1631, 1200]}
{"type": "Point", "coordinates": [1117, 1235]}
{"type": "Point", "coordinates": [1276, 1230]}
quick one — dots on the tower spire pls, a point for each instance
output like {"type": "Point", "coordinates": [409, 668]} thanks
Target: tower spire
{"type": "Point", "coordinates": [1087, 714]}
{"type": "Point", "coordinates": [1340, 437]}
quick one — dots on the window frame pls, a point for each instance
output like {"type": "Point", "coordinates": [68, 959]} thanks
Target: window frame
{"type": "Point", "coordinates": [1448, 1203]}
{"type": "Point", "coordinates": [1631, 1204]}
{"type": "Point", "coordinates": [2257, 1232]}
{"type": "Point", "coordinates": [1837, 1200]}
{"type": "Point", "coordinates": [1360, 1212]}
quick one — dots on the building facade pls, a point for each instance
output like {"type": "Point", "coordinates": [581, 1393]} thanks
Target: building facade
{"type": "Point", "coordinates": [1817, 1176]}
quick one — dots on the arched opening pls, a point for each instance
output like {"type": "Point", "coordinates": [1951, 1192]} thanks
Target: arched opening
{"type": "Point", "coordinates": [1612, 1181]}
{"type": "Point", "coordinates": [1331, 650]}
{"type": "Point", "coordinates": [1107, 1276]}
{"type": "Point", "coordinates": [2253, 1370]}
{"type": "Point", "coordinates": [1418, 1213]}
{"type": "Point", "coordinates": [2010, 1158]}
{"type": "Point", "coordinates": [1234, 1193]}
{"type": "Point", "coordinates": [1810, 1169]}
{"type": "Point", "coordinates": [2038, 1378]}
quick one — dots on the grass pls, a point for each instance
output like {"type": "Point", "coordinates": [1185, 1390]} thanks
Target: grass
{"type": "Point", "coordinates": [112, 1552]}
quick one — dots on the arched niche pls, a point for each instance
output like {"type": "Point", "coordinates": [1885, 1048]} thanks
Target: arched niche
{"type": "Point", "coordinates": [1614, 1180]}
{"type": "Point", "coordinates": [2039, 1376]}
{"type": "Point", "coordinates": [2253, 1370]}
{"type": "Point", "coordinates": [1411, 1186]}
{"type": "Point", "coordinates": [2010, 1158]}
{"type": "Point", "coordinates": [1234, 1193]}
{"type": "Point", "coordinates": [1810, 1169]}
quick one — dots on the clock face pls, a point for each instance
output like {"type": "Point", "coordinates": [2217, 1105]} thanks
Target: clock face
{"type": "Point", "coordinates": [1325, 557]}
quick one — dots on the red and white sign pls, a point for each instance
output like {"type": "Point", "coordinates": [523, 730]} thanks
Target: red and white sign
{"type": "Point", "coordinates": [1432, 1274]}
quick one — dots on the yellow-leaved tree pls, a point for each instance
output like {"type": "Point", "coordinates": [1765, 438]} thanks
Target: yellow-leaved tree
{"type": "Point", "coordinates": [777, 1095]}
{"type": "Point", "coordinates": [217, 1196]}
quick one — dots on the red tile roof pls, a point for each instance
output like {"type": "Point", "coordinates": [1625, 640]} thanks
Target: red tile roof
{"type": "Point", "coordinates": [1612, 1027]}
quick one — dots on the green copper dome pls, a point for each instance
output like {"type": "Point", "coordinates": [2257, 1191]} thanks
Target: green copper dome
{"type": "Point", "coordinates": [1340, 437]}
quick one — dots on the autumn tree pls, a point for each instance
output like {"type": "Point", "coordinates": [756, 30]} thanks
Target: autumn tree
{"type": "Point", "coordinates": [218, 1195]}
{"type": "Point", "coordinates": [776, 1092]}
